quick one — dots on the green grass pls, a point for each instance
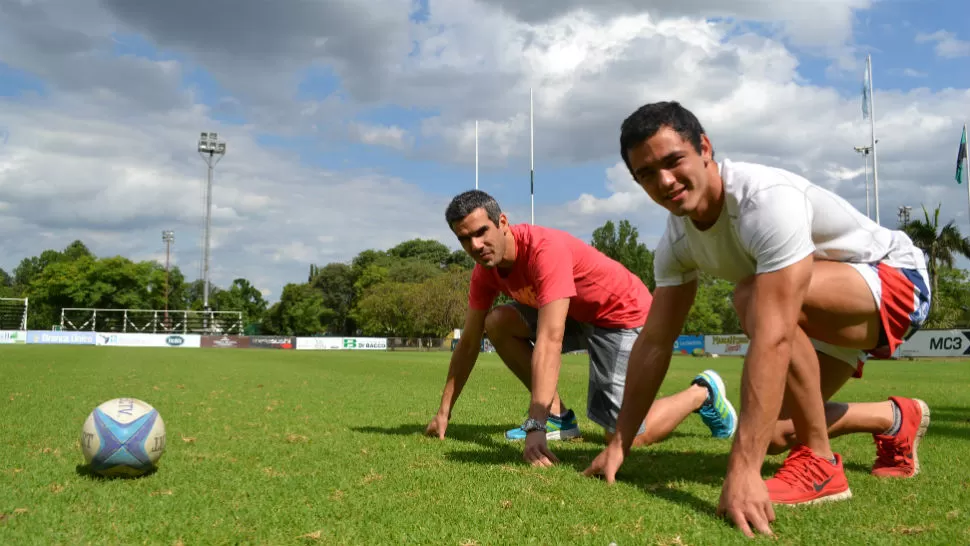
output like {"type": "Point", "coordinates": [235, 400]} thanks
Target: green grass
{"type": "Point", "coordinates": [286, 447]}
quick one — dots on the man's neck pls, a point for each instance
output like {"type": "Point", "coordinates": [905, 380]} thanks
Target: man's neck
{"type": "Point", "coordinates": [511, 250]}
{"type": "Point", "coordinates": [706, 218]}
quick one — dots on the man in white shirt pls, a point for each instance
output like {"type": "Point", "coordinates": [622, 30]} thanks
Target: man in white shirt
{"type": "Point", "coordinates": [812, 274]}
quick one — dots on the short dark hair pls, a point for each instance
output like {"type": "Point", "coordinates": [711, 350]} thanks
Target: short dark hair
{"type": "Point", "coordinates": [465, 203]}
{"type": "Point", "coordinates": [649, 118]}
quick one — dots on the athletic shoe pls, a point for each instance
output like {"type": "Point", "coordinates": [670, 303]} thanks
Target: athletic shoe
{"type": "Point", "coordinates": [716, 412]}
{"type": "Point", "coordinates": [805, 478]}
{"type": "Point", "coordinates": [557, 428]}
{"type": "Point", "coordinates": [896, 455]}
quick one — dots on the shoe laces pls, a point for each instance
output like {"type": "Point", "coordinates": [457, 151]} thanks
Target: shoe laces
{"type": "Point", "coordinates": [800, 468]}
{"type": "Point", "coordinates": [889, 451]}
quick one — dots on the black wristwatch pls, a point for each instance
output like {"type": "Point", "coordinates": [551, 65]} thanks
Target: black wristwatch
{"type": "Point", "coordinates": [532, 425]}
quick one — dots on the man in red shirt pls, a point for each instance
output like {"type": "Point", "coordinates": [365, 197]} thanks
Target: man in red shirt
{"type": "Point", "coordinates": [568, 296]}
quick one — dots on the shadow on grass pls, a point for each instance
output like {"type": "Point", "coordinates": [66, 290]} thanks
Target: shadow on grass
{"type": "Point", "coordinates": [85, 471]}
{"type": "Point", "coordinates": [484, 435]}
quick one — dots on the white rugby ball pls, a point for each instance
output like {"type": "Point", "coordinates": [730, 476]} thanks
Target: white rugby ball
{"type": "Point", "coordinates": [123, 437]}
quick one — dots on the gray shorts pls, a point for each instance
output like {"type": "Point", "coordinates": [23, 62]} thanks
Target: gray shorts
{"type": "Point", "coordinates": [609, 352]}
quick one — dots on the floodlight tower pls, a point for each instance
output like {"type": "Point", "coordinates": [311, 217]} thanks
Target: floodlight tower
{"type": "Point", "coordinates": [168, 237]}
{"type": "Point", "coordinates": [211, 151]}
{"type": "Point", "coordinates": [903, 215]}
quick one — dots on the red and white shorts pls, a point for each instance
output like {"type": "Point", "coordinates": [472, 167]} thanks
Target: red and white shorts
{"type": "Point", "coordinates": [903, 297]}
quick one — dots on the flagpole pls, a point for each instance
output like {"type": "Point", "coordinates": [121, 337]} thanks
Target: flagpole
{"type": "Point", "coordinates": [532, 160]}
{"type": "Point", "coordinates": [966, 161]}
{"type": "Point", "coordinates": [872, 130]}
{"type": "Point", "coordinates": [476, 154]}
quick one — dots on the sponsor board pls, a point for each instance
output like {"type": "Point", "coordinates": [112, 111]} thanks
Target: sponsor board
{"type": "Point", "coordinates": [10, 337]}
{"type": "Point", "coordinates": [109, 339]}
{"type": "Point", "coordinates": [341, 343]}
{"type": "Point", "coordinates": [43, 337]}
{"type": "Point", "coordinates": [365, 343]}
{"type": "Point", "coordinates": [936, 343]}
{"type": "Point", "coordinates": [727, 345]}
{"type": "Point", "coordinates": [318, 343]}
{"type": "Point", "coordinates": [272, 342]}
{"type": "Point", "coordinates": [225, 342]}
{"type": "Point", "coordinates": [689, 345]}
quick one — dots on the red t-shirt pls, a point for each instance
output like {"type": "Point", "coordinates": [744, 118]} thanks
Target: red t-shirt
{"type": "Point", "coordinates": [551, 264]}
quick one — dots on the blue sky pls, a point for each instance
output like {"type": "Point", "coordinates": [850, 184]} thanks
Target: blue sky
{"type": "Point", "coordinates": [350, 128]}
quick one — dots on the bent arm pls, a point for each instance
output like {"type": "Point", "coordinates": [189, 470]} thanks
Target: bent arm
{"type": "Point", "coordinates": [650, 357]}
{"type": "Point", "coordinates": [772, 320]}
{"type": "Point", "coordinates": [463, 359]}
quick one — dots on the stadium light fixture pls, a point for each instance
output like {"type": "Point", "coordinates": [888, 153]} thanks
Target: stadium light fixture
{"type": "Point", "coordinates": [212, 150]}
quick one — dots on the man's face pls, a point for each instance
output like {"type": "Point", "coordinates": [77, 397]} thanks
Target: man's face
{"type": "Point", "coordinates": [671, 171]}
{"type": "Point", "coordinates": [481, 238]}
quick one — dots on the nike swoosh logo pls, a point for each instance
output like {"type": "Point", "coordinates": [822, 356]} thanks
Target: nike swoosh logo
{"type": "Point", "coordinates": [818, 486]}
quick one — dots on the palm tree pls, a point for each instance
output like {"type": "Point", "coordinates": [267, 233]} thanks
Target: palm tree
{"type": "Point", "coordinates": [940, 245]}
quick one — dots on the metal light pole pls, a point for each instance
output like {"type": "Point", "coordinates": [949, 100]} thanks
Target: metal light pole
{"type": "Point", "coordinates": [168, 237]}
{"type": "Point", "coordinates": [864, 150]}
{"type": "Point", "coordinates": [211, 151]}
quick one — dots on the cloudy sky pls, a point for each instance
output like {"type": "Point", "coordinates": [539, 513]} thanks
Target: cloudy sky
{"type": "Point", "coordinates": [350, 124]}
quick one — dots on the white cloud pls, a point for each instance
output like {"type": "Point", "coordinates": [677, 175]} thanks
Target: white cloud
{"type": "Point", "coordinates": [947, 44]}
{"type": "Point", "coordinates": [380, 135]}
{"type": "Point", "coordinates": [908, 72]}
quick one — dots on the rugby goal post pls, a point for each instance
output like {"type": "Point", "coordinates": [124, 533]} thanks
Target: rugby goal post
{"type": "Point", "coordinates": [151, 321]}
{"type": "Point", "coordinates": [13, 314]}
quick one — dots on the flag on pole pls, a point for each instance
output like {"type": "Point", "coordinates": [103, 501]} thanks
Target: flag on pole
{"type": "Point", "coordinates": [962, 156]}
{"type": "Point", "coordinates": [866, 91]}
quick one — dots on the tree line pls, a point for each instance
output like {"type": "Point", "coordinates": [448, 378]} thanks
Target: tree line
{"type": "Point", "coordinates": [418, 288]}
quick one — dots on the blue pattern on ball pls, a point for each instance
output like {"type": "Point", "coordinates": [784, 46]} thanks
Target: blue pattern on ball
{"type": "Point", "coordinates": [123, 444]}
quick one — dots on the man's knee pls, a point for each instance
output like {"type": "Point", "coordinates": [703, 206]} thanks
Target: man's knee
{"type": "Point", "coordinates": [504, 321]}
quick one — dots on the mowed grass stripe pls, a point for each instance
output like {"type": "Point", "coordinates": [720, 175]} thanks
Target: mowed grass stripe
{"type": "Point", "coordinates": [288, 447]}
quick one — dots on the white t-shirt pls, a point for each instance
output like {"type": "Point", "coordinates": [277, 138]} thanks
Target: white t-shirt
{"type": "Point", "coordinates": [771, 219]}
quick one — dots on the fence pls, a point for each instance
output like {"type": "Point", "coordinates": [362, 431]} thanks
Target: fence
{"type": "Point", "coordinates": [925, 343]}
{"type": "Point", "coordinates": [151, 321]}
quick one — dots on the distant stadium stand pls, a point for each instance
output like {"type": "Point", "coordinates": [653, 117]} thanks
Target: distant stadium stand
{"type": "Point", "coordinates": [13, 313]}
{"type": "Point", "coordinates": [151, 321]}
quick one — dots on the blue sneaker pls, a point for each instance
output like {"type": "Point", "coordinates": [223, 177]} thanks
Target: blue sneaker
{"type": "Point", "coordinates": [716, 412]}
{"type": "Point", "coordinates": [557, 428]}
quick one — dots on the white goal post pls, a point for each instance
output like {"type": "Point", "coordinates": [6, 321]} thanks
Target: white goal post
{"type": "Point", "coordinates": [13, 314]}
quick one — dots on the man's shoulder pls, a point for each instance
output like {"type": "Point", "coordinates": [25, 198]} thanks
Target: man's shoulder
{"type": "Point", "coordinates": [749, 186]}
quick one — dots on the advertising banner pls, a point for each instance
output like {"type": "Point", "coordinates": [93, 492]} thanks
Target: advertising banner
{"type": "Point", "coordinates": [319, 343]}
{"type": "Point", "coordinates": [60, 338]}
{"type": "Point", "coordinates": [225, 342]}
{"type": "Point", "coordinates": [272, 342]}
{"type": "Point", "coordinates": [689, 345]}
{"type": "Point", "coordinates": [364, 343]}
{"type": "Point", "coordinates": [341, 343]}
{"type": "Point", "coordinates": [936, 343]}
{"type": "Point", "coordinates": [9, 337]}
{"type": "Point", "coordinates": [192, 341]}
{"type": "Point", "coordinates": [731, 345]}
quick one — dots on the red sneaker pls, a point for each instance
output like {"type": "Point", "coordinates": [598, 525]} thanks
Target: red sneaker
{"type": "Point", "coordinates": [896, 455]}
{"type": "Point", "coordinates": [805, 478]}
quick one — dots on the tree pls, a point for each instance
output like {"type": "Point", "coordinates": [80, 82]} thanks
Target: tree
{"type": "Point", "coordinates": [622, 245]}
{"type": "Point", "coordinates": [300, 312]}
{"type": "Point", "coordinates": [951, 301]}
{"type": "Point", "coordinates": [335, 282]}
{"type": "Point", "coordinates": [242, 296]}
{"type": "Point", "coordinates": [941, 245]}
{"type": "Point", "coordinates": [426, 250]}
{"type": "Point", "coordinates": [461, 259]}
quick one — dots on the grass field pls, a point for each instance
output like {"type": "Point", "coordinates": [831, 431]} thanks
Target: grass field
{"type": "Point", "coordinates": [286, 447]}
